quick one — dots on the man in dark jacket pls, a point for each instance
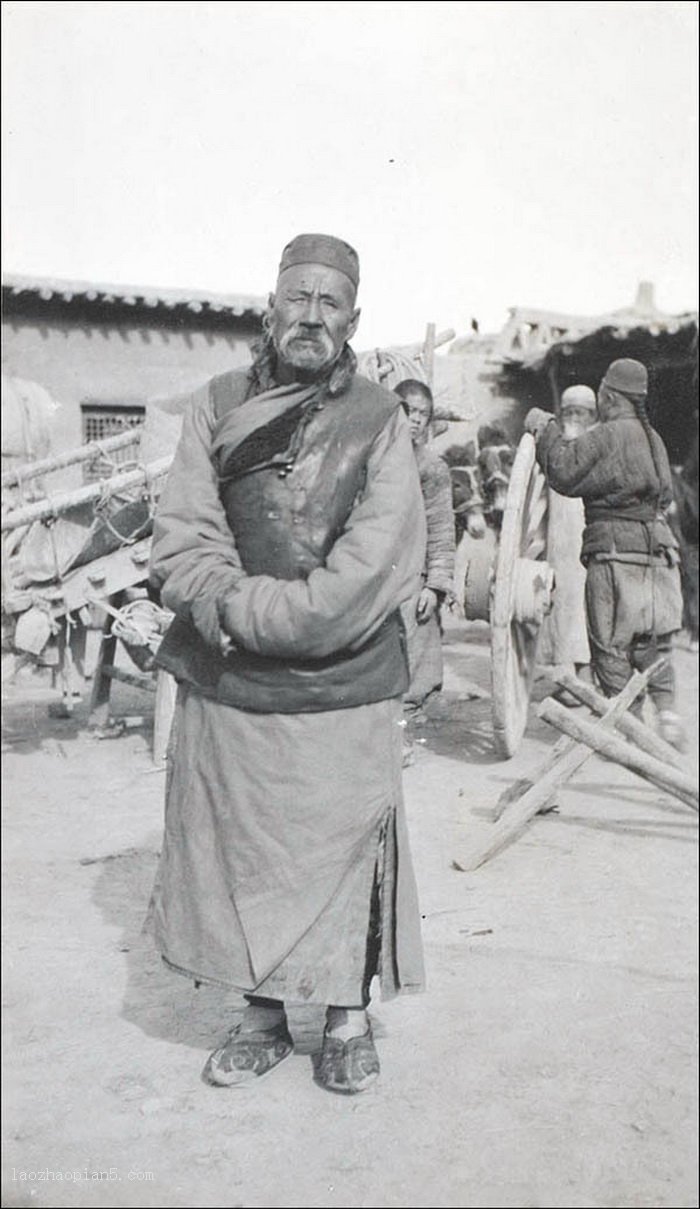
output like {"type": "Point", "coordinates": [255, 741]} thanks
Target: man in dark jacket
{"type": "Point", "coordinates": [633, 596]}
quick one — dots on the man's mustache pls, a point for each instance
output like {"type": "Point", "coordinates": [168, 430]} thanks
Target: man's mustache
{"type": "Point", "coordinates": [318, 338]}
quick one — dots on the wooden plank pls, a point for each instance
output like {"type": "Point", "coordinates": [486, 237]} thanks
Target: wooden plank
{"type": "Point", "coordinates": [136, 679]}
{"type": "Point", "coordinates": [561, 748]}
{"type": "Point", "coordinates": [104, 576]}
{"type": "Point", "coordinates": [626, 723]}
{"type": "Point", "coordinates": [98, 580]}
{"type": "Point", "coordinates": [664, 776]}
{"type": "Point", "coordinates": [546, 783]}
{"type": "Point", "coordinates": [99, 702]}
{"type": "Point", "coordinates": [629, 726]}
{"type": "Point", "coordinates": [429, 354]}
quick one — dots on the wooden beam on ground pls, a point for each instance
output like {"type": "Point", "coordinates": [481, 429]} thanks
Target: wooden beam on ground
{"type": "Point", "coordinates": [561, 748]}
{"type": "Point", "coordinates": [550, 778]}
{"type": "Point", "coordinates": [626, 723]}
{"type": "Point", "coordinates": [664, 776]}
{"type": "Point", "coordinates": [629, 726]}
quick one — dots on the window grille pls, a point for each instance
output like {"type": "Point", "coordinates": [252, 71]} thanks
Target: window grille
{"type": "Point", "coordinates": [106, 420]}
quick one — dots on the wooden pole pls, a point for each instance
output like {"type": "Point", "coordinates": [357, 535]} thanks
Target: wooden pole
{"type": "Point", "coordinates": [70, 457]}
{"type": "Point", "coordinates": [101, 681]}
{"type": "Point", "coordinates": [614, 748]}
{"type": "Point", "coordinates": [429, 353]}
{"type": "Point", "coordinates": [600, 705]}
{"type": "Point", "coordinates": [548, 780]}
{"type": "Point", "coordinates": [42, 509]}
{"type": "Point", "coordinates": [444, 337]}
{"type": "Point", "coordinates": [561, 748]}
{"type": "Point", "coordinates": [417, 350]}
{"type": "Point", "coordinates": [632, 728]}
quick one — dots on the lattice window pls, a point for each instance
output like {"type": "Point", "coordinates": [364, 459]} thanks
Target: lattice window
{"type": "Point", "coordinates": [102, 420]}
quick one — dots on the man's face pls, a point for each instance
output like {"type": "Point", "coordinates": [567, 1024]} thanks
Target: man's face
{"type": "Point", "coordinates": [311, 316]}
{"type": "Point", "coordinates": [575, 420]}
{"type": "Point", "coordinates": [418, 411]}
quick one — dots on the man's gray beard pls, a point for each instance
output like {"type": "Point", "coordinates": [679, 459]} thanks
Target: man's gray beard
{"type": "Point", "coordinates": [306, 364]}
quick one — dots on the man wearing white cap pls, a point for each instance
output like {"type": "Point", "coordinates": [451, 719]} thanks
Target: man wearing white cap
{"type": "Point", "coordinates": [290, 531]}
{"type": "Point", "coordinates": [621, 471]}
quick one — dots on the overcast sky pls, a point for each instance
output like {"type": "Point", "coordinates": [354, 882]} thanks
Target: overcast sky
{"type": "Point", "coordinates": [478, 155]}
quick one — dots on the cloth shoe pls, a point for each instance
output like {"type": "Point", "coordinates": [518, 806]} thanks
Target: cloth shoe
{"type": "Point", "coordinates": [246, 1057]}
{"type": "Point", "coordinates": [348, 1066]}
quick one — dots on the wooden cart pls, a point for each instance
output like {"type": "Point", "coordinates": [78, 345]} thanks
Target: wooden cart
{"type": "Point", "coordinates": [113, 560]}
{"type": "Point", "coordinates": [514, 594]}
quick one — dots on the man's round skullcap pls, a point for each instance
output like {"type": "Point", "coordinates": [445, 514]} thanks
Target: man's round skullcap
{"type": "Point", "coordinates": [628, 376]}
{"type": "Point", "coordinates": [322, 249]}
{"type": "Point", "coordinates": [579, 396]}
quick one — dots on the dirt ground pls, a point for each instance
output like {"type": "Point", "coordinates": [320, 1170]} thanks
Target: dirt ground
{"type": "Point", "coordinates": [551, 1062]}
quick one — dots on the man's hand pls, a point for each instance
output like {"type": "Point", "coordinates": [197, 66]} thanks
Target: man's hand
{"type": "Point", "coordinates": [536, 421]}
{"type": "Point", "coordinates": [427, 605]}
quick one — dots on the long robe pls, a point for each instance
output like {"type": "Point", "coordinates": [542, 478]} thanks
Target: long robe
{"type": "Point", "coordinates": [564, 638]}
{"type": "Point", "coordinates": [285, 868]}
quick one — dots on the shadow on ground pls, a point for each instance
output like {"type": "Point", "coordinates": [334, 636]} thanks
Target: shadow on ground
{"type": "Point", "coordinates": [28, 726]}
{"type": "Point", "coordinates": [158, 1001]}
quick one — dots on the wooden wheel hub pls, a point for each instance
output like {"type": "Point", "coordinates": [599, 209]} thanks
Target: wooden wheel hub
{"type": "Point", "coordinates": [533, 591]}
{"type": "Point", "coordinates": [512, 587]}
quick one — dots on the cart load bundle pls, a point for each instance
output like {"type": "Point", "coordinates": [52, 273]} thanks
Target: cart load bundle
{"type": "Point", "coordinates": [390, 366]}
{"type": "Point", "coordinates": [65, 549]}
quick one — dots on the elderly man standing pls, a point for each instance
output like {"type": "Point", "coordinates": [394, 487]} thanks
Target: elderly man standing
{"type": "Point", "coordinates": [633, 595]}
{"type": "Point", "coordinates": [289, 533]}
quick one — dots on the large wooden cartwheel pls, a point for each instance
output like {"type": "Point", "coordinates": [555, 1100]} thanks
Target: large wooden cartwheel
{"type": "Point", "coordinates": [514, 593]}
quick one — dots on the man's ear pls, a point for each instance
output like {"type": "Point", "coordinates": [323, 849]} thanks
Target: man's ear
{"type": "Point", "coordinates": [353, 323]}
{"type": "Point", "coordinates": [267, 314]}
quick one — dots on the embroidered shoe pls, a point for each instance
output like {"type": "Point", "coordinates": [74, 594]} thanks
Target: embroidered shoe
{"type": "Point", "coordinates": [246, 1057]}
{"type": "Point", "coordinates": [349, 1066]}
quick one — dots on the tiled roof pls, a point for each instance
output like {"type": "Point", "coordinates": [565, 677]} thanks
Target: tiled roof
{"type": "Point", "coordinates": [17, 288]}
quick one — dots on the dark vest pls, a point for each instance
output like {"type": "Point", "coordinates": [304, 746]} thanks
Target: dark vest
{"type": "Point", "coordinates": [285, 512]}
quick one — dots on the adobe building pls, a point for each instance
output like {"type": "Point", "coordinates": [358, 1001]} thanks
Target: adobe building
{"type": "Point", "coordinates": [103, 351]}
